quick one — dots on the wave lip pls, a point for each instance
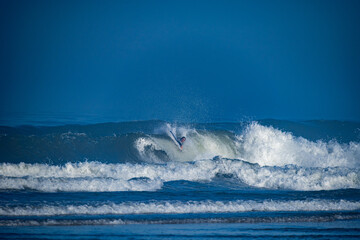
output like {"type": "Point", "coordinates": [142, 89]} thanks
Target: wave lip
{"type": "Point", "coordinates": [177, 207]}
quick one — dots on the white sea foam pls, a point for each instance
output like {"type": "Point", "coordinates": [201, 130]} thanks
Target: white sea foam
{"type": "Point", "coordinates": [56, 222]}
{"type": "Point", "coordinates": [79, 184]}
{"type": "Point", "coordinates": [178, 207]}
{"type": "Point", "coordinates": [272, 147]}
{"type": "Point", "coordinates": [293, 177]}
{"type": "Point", "coordinates": [95, 176]}
{"type": "Point", "coordinates": [72, 136]}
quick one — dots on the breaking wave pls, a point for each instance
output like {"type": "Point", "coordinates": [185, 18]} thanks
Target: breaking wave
{"type": "Point", "coordinates": [177, 207]}
{"type": "Point", "coordinates": [95, 176]}
{"type": "Point", "coordinates": [143, 157]}
{"type": "Point", "coordinates": [272, 147]}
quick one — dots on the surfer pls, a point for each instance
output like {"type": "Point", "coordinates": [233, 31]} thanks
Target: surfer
{"type": "Point", "coordinates": [181, 142]}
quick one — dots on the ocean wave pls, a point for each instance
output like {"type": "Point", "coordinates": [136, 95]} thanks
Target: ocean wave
{"type": "Point", "coordinates": [178, 207]}
{"type": "Point", "coordinates": [95, 176]}
{"type": "Point", "coordinates": [116, 221]}
{"type": "Point", "coordinates": [150, 142]}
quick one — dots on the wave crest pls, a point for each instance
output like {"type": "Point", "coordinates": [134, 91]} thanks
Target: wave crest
{"type": "Point", "coordinates": [177, 207]}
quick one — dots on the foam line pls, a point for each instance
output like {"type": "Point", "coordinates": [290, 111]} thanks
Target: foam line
{"type": "Point", "coordinates": [177, 207]}
{"type": "Point", "coordinates": [105, 221]}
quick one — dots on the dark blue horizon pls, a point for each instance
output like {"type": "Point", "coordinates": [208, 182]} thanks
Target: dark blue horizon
{"type": "Point", "coordinates": [185, 61]}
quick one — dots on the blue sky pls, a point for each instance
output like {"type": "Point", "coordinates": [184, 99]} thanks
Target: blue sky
{"type": "Point", "coordinates": [180, 60]}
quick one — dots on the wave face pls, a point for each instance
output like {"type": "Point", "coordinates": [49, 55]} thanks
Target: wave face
{"type": "Point", "coordinates": [124, 173]}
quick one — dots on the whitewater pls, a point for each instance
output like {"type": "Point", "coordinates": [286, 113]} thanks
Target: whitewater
{"type": "Point", "coordinates": [119, 174]}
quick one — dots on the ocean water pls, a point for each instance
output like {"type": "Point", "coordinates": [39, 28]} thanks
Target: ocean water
{"type": "Point", "coordinates": [128, 180]}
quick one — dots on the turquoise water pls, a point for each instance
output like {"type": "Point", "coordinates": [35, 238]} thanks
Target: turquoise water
{"type": "Point", "coordinates": [129, 180]}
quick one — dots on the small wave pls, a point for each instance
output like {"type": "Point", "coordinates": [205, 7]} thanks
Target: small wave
{"type": "Point", "coordinates": [177, 207]}
{"type": "Point", "coordinates": [79, 184]}
{"type": "Point", "coordinates": [115, 221]}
